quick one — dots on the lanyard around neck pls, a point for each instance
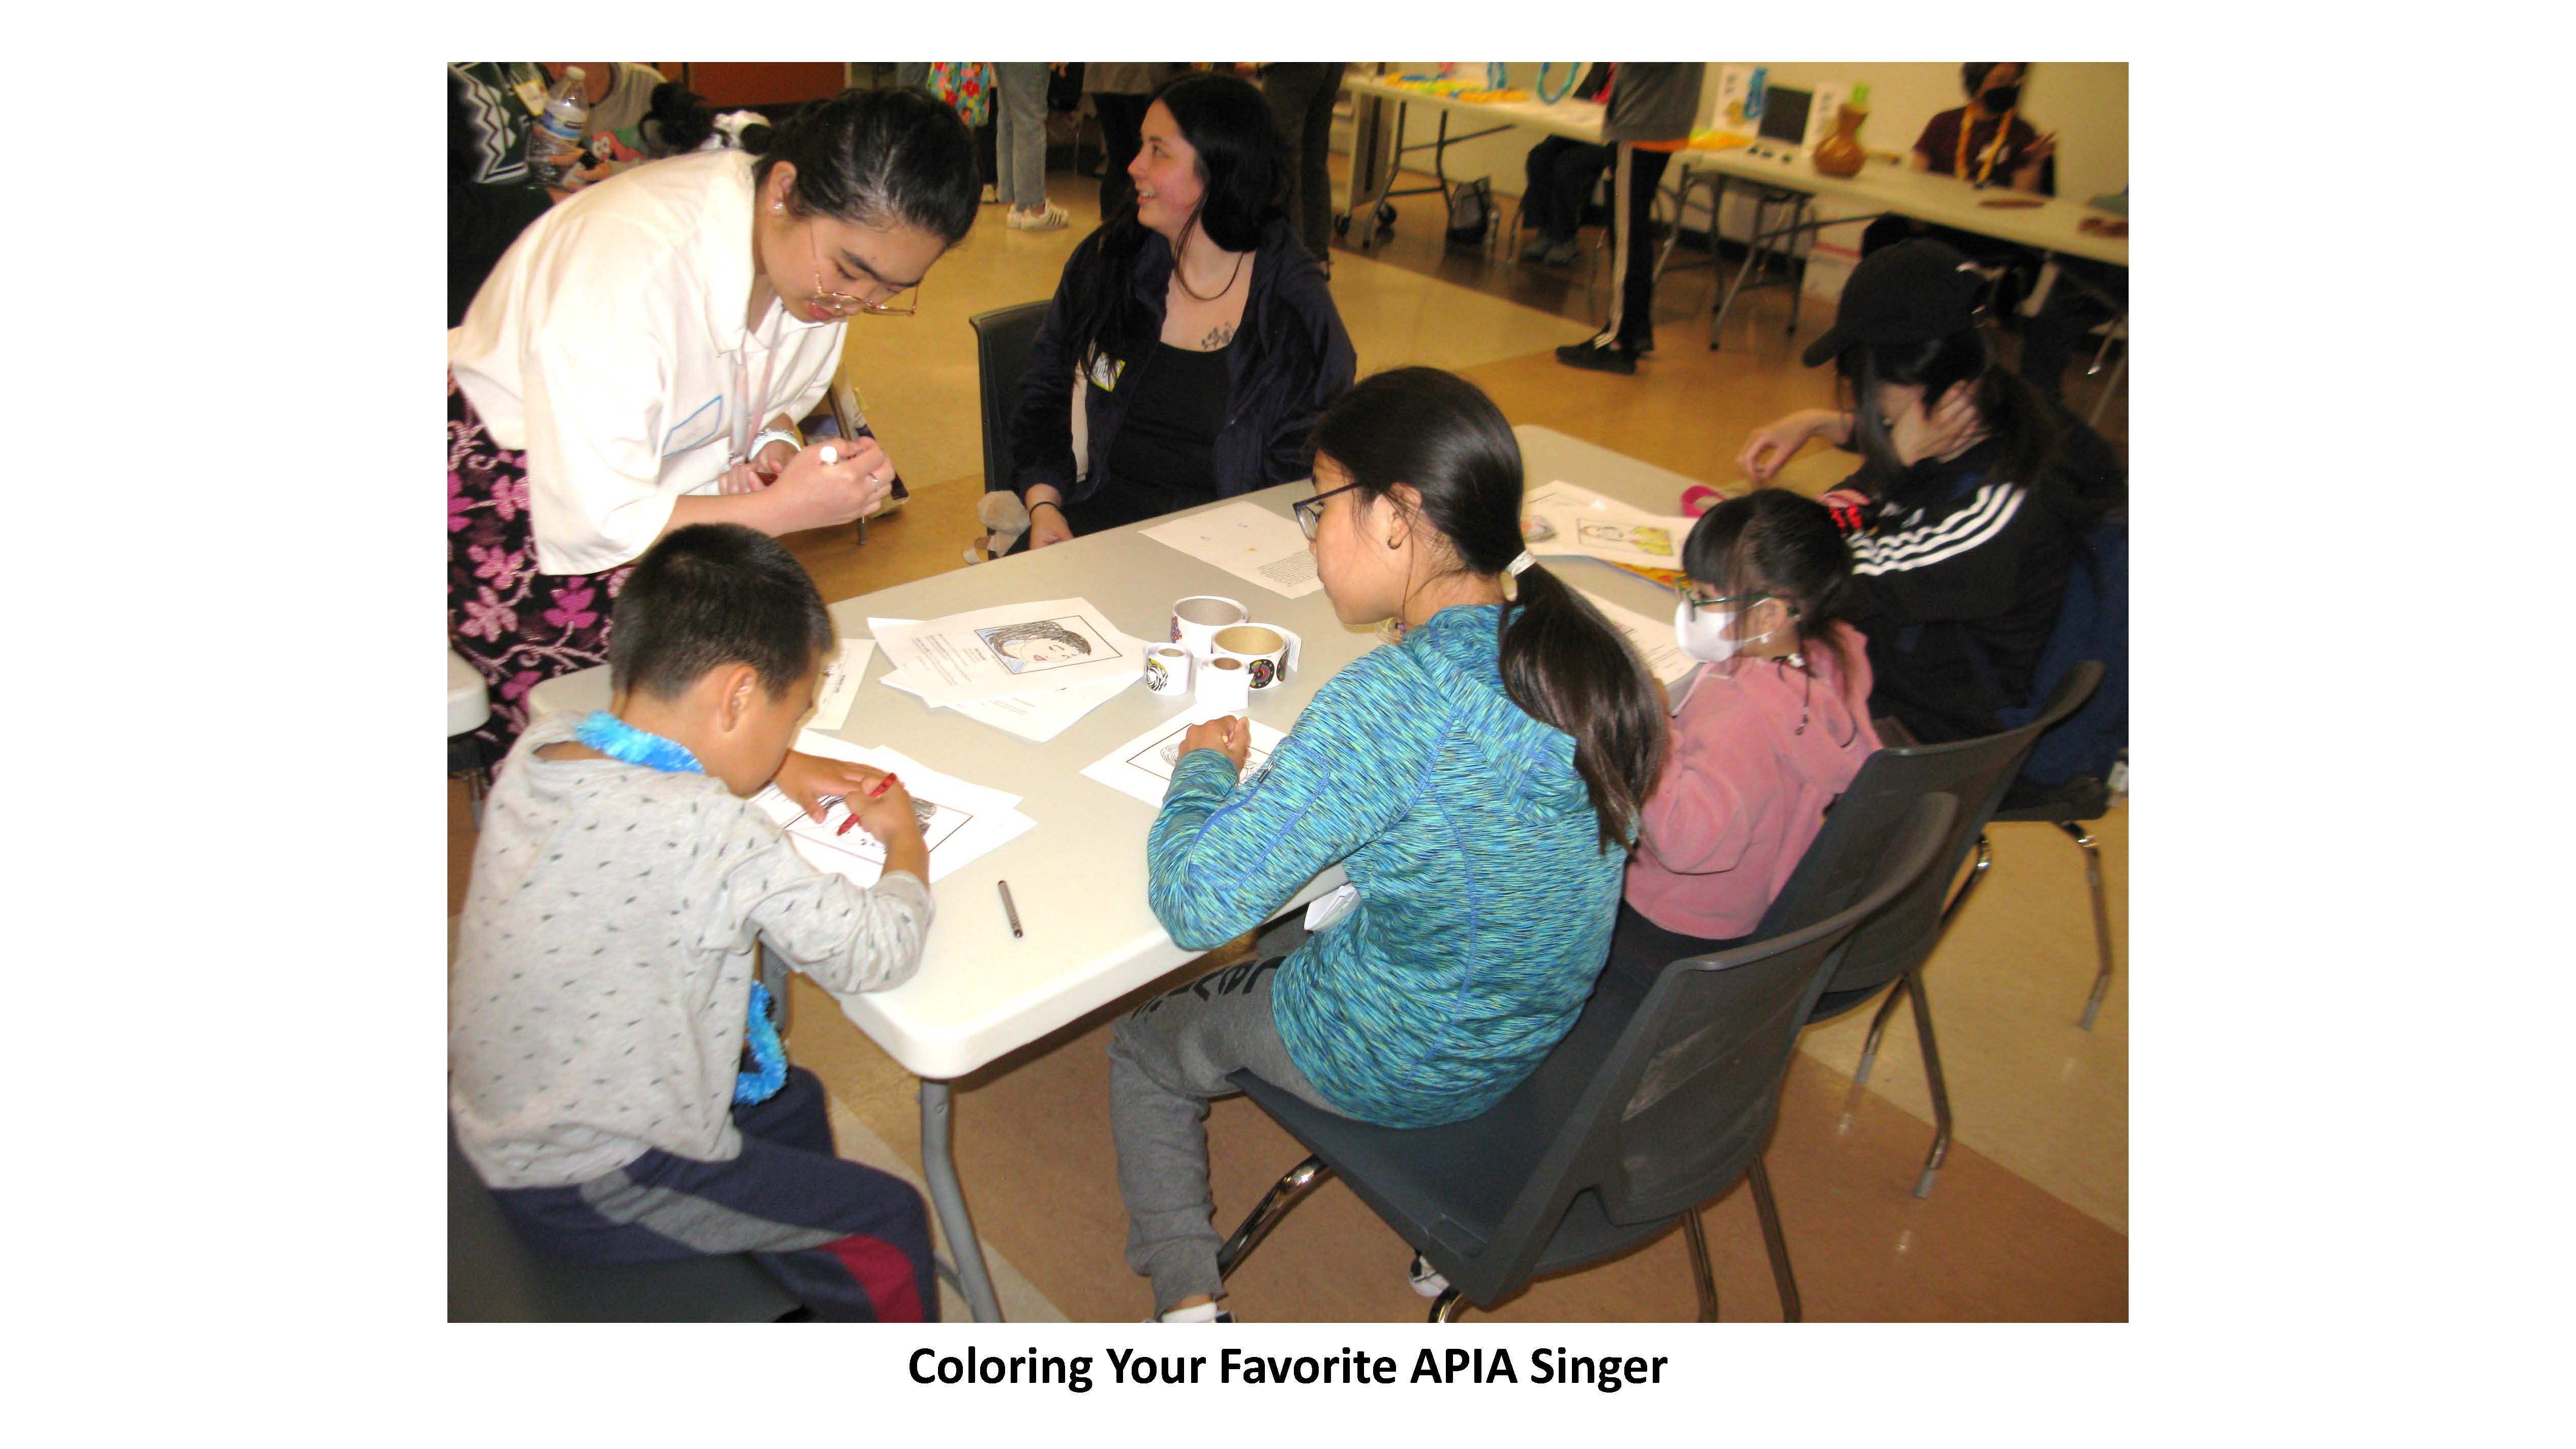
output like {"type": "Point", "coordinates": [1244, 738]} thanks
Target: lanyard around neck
{"type": "Point", "coordinates": [748, 420]}
{"type": "Point", "coordinates": [1994, 153]}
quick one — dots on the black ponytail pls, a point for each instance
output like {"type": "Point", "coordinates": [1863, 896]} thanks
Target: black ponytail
{"type": "Point", "coordinates": [1561, 662]}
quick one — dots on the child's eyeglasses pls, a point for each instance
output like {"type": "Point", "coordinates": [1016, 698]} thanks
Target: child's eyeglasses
{"type": "Point", "coordinates": [1310, 511]}
{"type": "Point", "coordinates": [1694, 602]}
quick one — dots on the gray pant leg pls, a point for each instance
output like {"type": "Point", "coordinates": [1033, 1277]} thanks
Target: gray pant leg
{"type": "Point", "coordinates": [912, 73]}
{"type": "Point", "coordinates": [1167, 1059]}
{"type": "Point", "coordinates": [1020, 115]}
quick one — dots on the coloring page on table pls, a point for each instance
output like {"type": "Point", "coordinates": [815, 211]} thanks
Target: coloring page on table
{"type": "Point", "coordinates": [1562, 518]}
{"type": "Point", "coordinates": [1008, 649]}
{"type": "Point", "coordinates": [1163, 756]}
{"type": "Point", "coordinates": [829, 849]}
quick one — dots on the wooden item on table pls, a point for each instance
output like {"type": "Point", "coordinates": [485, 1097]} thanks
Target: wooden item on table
{"type": "Point", "coordinates": [1840, 154]}
{"type": "Point", "coordinates": [2010, 203]}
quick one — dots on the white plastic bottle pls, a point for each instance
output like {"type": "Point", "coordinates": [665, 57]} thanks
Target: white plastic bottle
{"type": "Point", "coordinates": [555, 136]}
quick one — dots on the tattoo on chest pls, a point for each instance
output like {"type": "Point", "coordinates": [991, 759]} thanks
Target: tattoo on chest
{"type": "Point", "coordinates": [1217, 337]}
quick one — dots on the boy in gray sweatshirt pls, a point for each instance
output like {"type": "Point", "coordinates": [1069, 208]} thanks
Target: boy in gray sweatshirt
{"type": "Point", "coordinates": [603, 992]}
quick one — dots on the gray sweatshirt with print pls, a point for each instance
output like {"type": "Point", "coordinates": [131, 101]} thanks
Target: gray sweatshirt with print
{"type": "Point", "coordinates": [604, 961]}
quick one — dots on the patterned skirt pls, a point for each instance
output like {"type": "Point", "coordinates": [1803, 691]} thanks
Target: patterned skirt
{"type": "Point", "coordinates": [517, 626]}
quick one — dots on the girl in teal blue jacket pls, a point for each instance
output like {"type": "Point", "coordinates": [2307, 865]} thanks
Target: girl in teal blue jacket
{"type": "Point", "coordinates": [1479, 783]}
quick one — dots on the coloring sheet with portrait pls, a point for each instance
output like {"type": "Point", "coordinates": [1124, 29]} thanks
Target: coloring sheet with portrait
{"type": "Point", "coordinates": [1564, 519]}
{"type": "Point", "coordinates": [841, 675]}
{"type": "Point", "coordinates": [1008, 649]}
{"type": "Point", "coordinates": [1143, 766]}
{"type": "Point", "coordinates": [959, 820]}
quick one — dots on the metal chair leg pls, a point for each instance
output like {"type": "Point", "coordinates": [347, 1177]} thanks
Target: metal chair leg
{"type": "Point", "coordinates": [1447, 1307]}
{"type": "Point", "coordinates": [1791, 1311]}
{"type": "Point", "coordinates": [1797, 283]}
{"type": "Point", "coordinates": [1702, 1278]}
{"type": "Point", "coordinates": [1932, 1073]}
{"type": "Point", "coordinates": [1985, 858]}
{"type": "Point", "coordinates": [2101, 920]}
{"type": "Point", "coordinates": [1877, 1028]}
{"type": "Point", "coordinates": [1265, 1215]}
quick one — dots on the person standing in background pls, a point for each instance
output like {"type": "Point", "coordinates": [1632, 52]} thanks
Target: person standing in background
{"type": "Point", "coordinates": [1558, 177]}
{"type": "Point", "coordinates": [1019, 146]}
{"type": "Point", "coordinates": [1301, 95]}
{"type": "Point", "coordinates": [1119, 94]}
{"type": "Point", "coordinates": [1652, 108]}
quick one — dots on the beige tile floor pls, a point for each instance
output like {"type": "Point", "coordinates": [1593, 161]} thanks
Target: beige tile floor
{"type": "Point", "coordinates": [2029, 1220]}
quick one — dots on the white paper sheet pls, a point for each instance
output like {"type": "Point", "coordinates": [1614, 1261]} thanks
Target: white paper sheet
{"type": "Point", "coordinates": [1036, 717]}
{"type": "Point", "coordinates": [1039, 716]}
{"type": "Point", "coordinates": [1008, 649]}
{"type": "Point", "coordinates": [841, 684]}
{"type": "Point", "coordinates": [960, 820]}
{"type": "Point", "coordinates": [1562, 518]}
{"type": "Point", "coordinates": [1143, 766]}
{"type": "Point", "coordinates": [1248, 541]}
{"type": "Point", "coordinates": [1653, 638]}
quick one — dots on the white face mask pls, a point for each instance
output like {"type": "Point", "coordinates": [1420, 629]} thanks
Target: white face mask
{"type": "Point", "coordinates": [1704, 637]}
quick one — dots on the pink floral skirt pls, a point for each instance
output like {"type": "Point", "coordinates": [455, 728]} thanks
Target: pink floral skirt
{"type": "Point", "coordinates": [517, 626]}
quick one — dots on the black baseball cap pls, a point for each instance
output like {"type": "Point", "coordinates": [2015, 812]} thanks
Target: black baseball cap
{"type": "Point", "coordinates": [1914, 291]}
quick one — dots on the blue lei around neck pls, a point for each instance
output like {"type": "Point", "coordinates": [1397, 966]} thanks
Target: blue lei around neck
{"type": "Point", "coordinates": [619, 740]}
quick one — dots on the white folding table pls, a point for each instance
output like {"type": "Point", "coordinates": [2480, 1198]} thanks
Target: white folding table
{"type": "Point", "coordinates": [1079, 877]}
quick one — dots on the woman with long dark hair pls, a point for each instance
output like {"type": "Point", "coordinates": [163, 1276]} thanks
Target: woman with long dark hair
{"type": "Point", "coordinates": [1970, 498]}
{"type": "Point", "coordinates": [1195, 329]}
{"type": "Point", "coordinates": [1480, 783]}
{"type": "Point", "coordinates": [639, 357]}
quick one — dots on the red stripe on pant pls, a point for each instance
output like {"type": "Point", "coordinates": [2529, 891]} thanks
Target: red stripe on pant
{"type": "Point", "coordinates": [883, 1272]}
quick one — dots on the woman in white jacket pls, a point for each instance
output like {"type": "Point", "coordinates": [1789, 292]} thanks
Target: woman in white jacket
{"type": "Point", "coordinates": [637, 361]}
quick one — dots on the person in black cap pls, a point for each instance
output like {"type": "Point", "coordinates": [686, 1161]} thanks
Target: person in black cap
{"type": "Point", "coordinates": [1970, 499]}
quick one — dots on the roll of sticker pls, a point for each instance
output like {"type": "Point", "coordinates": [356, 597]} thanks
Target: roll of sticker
{"type": "Point", "coordinates": [1225, 687]}
{"type": "Point", "coordinates": [1167, 669]}
{"type": "Point", "coordinates": [1267, 652]}
{"type": "Point", "coordinates": [1196, 619]}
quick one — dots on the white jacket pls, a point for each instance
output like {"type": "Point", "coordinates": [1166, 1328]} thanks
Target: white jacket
{"type": "Point", "coordinates": [609, 345]}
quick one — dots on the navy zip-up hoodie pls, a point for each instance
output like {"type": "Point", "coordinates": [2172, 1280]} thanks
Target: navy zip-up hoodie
{"type": "Point", "coordinates": [1288, 361]}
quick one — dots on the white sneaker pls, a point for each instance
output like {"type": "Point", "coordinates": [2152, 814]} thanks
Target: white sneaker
{"type": "Point", "coordinates": [1199, 1313]}
{"type": "Point", "coordinates": [990, 195]}
{"type": "Point", "coordinates": [1054, 218]}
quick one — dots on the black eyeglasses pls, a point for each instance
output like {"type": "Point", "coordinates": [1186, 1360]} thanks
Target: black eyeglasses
{"type": "Point", "coordinates": [1691, 599]}
{"type": "Point", "coordinates": [1310, 511]}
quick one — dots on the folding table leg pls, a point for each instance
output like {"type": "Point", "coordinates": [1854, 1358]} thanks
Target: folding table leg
{"type": "Point", "coordinates": [950, 1203]}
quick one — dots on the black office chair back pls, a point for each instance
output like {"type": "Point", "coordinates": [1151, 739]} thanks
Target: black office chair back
{"type": "Point", "coordinates": [1680, 1102]}
{"type": "Point", "coordinates": [1843, 860]}
{"type": "Point", "coordinates": [1003, 338]}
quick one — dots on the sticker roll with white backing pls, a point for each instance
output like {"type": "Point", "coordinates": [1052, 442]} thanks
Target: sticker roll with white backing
{"type": "Point", "coordinates": [1167, 670]}
{"type": "Point", "coordinates": [1225, 687]}
{"type": "Point", "coordinates": [1196, 619]}
{"type": "Point", "coordinates": [1267, 652]}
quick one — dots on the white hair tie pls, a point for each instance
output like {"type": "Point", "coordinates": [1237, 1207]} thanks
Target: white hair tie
{"type": "Point", "coordinates": [1516, 565]}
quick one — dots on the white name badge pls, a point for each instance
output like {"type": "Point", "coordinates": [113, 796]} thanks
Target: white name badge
{"type": "Point", "coordinates": [697, 429]}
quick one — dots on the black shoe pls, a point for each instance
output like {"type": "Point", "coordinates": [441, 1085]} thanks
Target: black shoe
{"type": "Point", "coordinates": [1592, 357]}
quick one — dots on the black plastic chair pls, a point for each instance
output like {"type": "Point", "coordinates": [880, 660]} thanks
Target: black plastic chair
{"type": "Point", "coordinates": [1657, 1101]}
{"type": "Point", "coordinates": [1003, 338]}
{"type": "Point", "coordinates": [1889, 951]}
{"type": "Point", "coordinates": [495, 1276]}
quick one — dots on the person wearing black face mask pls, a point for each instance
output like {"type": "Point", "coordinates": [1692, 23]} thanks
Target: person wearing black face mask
{"type": "Point", "coordinates": [1986, 142]}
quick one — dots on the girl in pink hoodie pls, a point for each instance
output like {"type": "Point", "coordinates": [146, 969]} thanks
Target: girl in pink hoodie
{"type": "Point", "coordinates": [1770, 728]}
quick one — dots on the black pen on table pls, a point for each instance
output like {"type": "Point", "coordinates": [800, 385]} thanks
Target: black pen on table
{"type": "Point", "coordinates": [1008, 909]}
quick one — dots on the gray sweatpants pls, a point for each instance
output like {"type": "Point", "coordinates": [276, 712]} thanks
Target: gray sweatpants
{"type": "Point", "coordinates": [1019, 117]}
{"type": "Point", "coordinates": [1167, 1059]}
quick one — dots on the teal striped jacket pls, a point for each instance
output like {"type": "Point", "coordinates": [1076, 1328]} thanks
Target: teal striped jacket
{"type": "Point", "coordinates": [1485, 901]}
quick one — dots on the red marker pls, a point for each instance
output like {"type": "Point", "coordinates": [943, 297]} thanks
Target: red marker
{"type": "Point", "coordinates": [872, 794]}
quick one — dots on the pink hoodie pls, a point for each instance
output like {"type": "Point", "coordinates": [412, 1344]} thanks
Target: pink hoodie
{"type": "Point", "coordinates": [1743, 793]}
